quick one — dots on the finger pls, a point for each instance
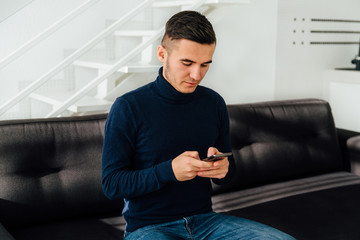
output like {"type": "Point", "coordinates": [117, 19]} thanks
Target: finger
{"type": "Point", "coordinates": [222, 162]}
{"type": "Point", "coordinates": [219, 170]}
{"type": "Point", "coordinates": [202, 165]}
{"type": "Point", "coordinates": [213, 173]}
{"type": "Point", "coordinates": [192, 154]}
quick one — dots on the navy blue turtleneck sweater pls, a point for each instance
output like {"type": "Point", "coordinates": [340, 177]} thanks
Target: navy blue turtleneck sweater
{"type": "Point", "coordinates": [145, 130]}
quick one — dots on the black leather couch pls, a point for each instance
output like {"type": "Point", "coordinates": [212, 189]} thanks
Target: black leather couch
{"type": "Point", "coordinates": [293, 173]}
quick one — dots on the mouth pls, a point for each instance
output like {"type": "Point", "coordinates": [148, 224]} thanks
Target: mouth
{"type": "Point", "coordinates": [192, 84]}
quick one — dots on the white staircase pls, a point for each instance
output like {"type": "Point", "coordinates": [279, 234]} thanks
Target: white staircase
{"type": "Point", "coordinates": [125, 60]}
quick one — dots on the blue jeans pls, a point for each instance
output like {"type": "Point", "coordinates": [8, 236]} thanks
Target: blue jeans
{"type": "Point", "coordinates": [209, 226]}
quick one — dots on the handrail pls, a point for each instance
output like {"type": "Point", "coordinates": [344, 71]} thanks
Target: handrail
{"type": "Point", "coordinates": [14, 11]}
{"type": "Point", "coordinates": [72, 57]}
{"type": "Point", "coordinates": [95, 82]}
{"type": "Point", "coordinates": [91, 85]}
{"type": "Point", "coordinates": [47, 32]}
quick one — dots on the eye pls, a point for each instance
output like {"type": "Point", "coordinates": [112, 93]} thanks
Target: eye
{"type": "Point", "coordinates": [187, 63]}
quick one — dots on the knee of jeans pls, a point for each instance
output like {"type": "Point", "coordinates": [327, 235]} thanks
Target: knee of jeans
{"type": "Point", "coordinates": [277, 235]}
{"type": "Point", "coordinates": [127, 234]}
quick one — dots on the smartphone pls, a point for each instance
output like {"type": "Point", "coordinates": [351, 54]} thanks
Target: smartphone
{"type": "Point", "coordinates": [216, 157]}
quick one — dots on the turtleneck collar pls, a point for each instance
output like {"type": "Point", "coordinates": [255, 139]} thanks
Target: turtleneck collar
{"type": "Point", "coordinates": [167, 91]}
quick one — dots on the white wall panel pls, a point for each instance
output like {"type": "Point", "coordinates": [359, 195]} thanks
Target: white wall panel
{"type": "Point", "coordinates": [243, 69]}
{"type": "Point", "coordinates": [305, 47]}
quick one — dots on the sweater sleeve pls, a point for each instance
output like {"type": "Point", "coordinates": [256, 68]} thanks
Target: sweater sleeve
{"type": "Point", "coordinates": [119, 180]}
{"type": "Point", "coordinates": [223, 143]}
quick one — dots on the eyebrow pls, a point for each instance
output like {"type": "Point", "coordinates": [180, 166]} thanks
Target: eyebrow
{"type": "Point", "coordinates": [191, 61]}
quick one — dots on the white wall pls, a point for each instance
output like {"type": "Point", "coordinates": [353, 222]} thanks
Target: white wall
{"type": "Point", "coordinates": [262, 52]}
{"type": "Point", "coordinates": [264, 49]}
{"type": "Point", "coordinates": [243, 69]}
{"type": "Point", "coordinates": [299, 64]}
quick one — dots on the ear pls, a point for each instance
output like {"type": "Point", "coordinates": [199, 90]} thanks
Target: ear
{"type": "Point", "coordinates": [161, 53]}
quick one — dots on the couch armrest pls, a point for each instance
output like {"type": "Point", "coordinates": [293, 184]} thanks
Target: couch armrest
{"type": "Point", "coordinates": [350, 146]}
{"type": "Point", "coordinates": [353, 144]}
{"type": "Point", "coordinates": [4, 234]}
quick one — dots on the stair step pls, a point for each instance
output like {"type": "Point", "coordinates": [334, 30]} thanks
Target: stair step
{"type": "Point", "coordinates": [134, 33]}
{"type": "Point", "coordinates": [130, 68]}
{"type": "Point", "coordinates": [85, 104]}
{"type": "Point", "coordinates": [190, 2]}
{"type": "Point", "coordinates": [88, 64]}
{"type": "Point", "coordinates": [140, 68]}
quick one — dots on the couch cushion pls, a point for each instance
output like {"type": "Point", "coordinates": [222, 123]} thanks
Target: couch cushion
{"type": "Point", "coordinates": [90, 229]}
{"type": "Point", "coordinates": [51, 169]}
{"type": "Point", "coordinates": [230, 201]}
{"type": "Point", "coordinates": [324, 214]}
{"type": "Point", "coordinates": [281, 140]}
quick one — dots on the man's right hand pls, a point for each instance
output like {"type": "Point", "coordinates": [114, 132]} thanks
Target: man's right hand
{"type": "Point", "coordinates": [186, 165]}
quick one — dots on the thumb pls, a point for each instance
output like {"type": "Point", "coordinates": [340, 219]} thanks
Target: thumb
{"type": "Point", "coordinates": [212, 151]}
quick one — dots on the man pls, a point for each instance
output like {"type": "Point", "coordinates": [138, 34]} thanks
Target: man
{"type": "Point", "coordinates": [156, 136]}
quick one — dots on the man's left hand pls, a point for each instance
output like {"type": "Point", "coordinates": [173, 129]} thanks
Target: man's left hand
{"type": "Point", "coordinates": [219, 168]}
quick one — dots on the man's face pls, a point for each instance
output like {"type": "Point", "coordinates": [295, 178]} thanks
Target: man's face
{"type": "Point", "coordinates": [186, 63]}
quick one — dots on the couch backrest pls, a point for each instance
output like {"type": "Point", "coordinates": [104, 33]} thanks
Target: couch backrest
{"type": "Point", "coordinates": [280, 140]}
{"type": "Point", "coordinates": [51, 169]}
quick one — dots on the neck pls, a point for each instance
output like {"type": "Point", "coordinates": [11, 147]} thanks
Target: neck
{"type": "Point", "coordinates": [167, 91]}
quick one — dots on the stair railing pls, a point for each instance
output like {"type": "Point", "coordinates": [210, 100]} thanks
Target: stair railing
{"type": "Point", "coordinates": [45, 33]}
{"type": "Point", "coordinates": [94, 83]}
{"type": "Point", "coordinates": [71, 58]}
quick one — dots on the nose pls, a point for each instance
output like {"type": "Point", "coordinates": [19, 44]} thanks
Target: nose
{"type": "Point", "coordinates": [195, 73]}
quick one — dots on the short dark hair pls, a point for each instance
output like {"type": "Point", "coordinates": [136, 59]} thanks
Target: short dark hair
{"type": "Point", "coordinates": [190, 25]}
